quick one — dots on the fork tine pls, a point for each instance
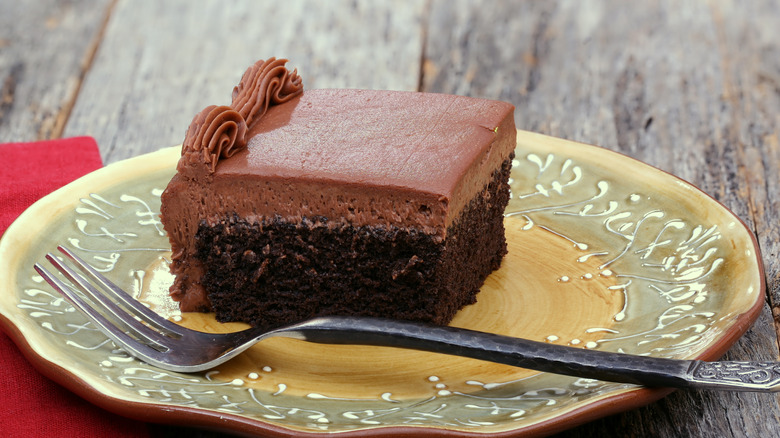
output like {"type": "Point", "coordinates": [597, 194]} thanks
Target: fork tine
{"type": "Point", "coordinates": [124, 340]}
{"type": "Point", "coordinates": [143, 312]}
{"type": "Point", "coordinates": [123, 318]}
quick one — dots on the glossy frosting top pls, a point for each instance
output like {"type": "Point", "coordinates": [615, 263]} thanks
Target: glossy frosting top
{"type": "Point", "coordinates": [420, 142]}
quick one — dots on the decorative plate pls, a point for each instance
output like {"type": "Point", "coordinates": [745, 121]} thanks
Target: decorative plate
{"type": "Point", "coordinates": [604, 252]}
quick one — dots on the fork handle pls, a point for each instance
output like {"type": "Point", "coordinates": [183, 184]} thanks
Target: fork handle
{"type": "Point", "coordinates": [541, 356]}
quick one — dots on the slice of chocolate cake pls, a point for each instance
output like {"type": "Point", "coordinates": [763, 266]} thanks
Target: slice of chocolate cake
{"type": "Point", "coordinates": [291, 204]}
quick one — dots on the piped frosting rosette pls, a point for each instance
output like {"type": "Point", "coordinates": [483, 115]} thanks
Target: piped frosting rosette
{"type": "Point", "coordinates": [264, 84]}
{"type": "Point", "coordinates": [216, 132]}
{"type": "Point", "coordinates": [220, 131]}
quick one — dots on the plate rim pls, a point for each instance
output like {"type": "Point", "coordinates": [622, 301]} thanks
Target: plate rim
{"type": "Point", "coordinates": [625, 400]}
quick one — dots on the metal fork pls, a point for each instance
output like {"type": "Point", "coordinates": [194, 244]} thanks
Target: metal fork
{"type": "Point", "coordinates": [164, 344]}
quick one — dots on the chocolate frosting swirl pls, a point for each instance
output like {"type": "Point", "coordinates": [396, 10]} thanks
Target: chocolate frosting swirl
{"type": "Point", "coordinates": [263, 84]}
{"type": "Point", "coordinates": [221, 131]}
{"type": "Point", "coordinates": [216, 132]}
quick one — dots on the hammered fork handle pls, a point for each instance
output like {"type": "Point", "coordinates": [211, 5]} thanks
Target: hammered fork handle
{"type": "Point", "coordinates": [542, 356]}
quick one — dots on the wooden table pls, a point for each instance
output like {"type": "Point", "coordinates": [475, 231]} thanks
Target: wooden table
{"type": "Point", "coordinates": [691, 87]}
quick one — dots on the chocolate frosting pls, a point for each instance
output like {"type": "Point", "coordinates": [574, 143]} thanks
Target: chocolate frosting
{"type": "Point", "coordinates": [216, 132]}
{"type": "Point", "coordinates": [264, 84]}
{"type": "Point", "coordinates": [221, 131]}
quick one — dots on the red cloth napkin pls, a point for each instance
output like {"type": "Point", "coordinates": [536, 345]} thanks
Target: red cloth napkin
{"type": "Point", "coordinates": [30, 404]}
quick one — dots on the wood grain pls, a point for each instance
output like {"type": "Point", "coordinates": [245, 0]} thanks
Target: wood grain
{"type": "Point", "coordinates": [45, 49]}
{"type": "Point", "coordinates": [752, 92]}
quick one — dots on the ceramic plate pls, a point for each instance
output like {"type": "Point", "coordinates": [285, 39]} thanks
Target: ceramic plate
{"type": "Point", "coordinates": [604, 253]}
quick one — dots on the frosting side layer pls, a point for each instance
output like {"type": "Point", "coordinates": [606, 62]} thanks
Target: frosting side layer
{"type": "Point", "coordinates": [254, 198]}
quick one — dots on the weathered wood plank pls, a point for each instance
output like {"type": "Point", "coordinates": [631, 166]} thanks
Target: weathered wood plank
{"type": "Point", "coordinates": [674, 84]}
{"type": "Point", "coordinates": [45, 48]}
{"type": "Point", "coordinates": [751, 92]}
{"type": "Point", "coordinates": [162, 62]}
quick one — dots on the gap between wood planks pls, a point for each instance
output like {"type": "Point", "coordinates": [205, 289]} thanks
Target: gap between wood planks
{"type": "Point", "coordinates": [89, 57]}
{"type": "Point", "coordinates": [425, 23]}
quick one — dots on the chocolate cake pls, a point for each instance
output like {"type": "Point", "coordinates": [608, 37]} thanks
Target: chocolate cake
{"type": "Point", "coordinates": [289, 204]}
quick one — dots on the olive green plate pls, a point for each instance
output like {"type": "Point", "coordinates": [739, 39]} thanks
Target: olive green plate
{"type": "Point", "coordinates": [604, 252]}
